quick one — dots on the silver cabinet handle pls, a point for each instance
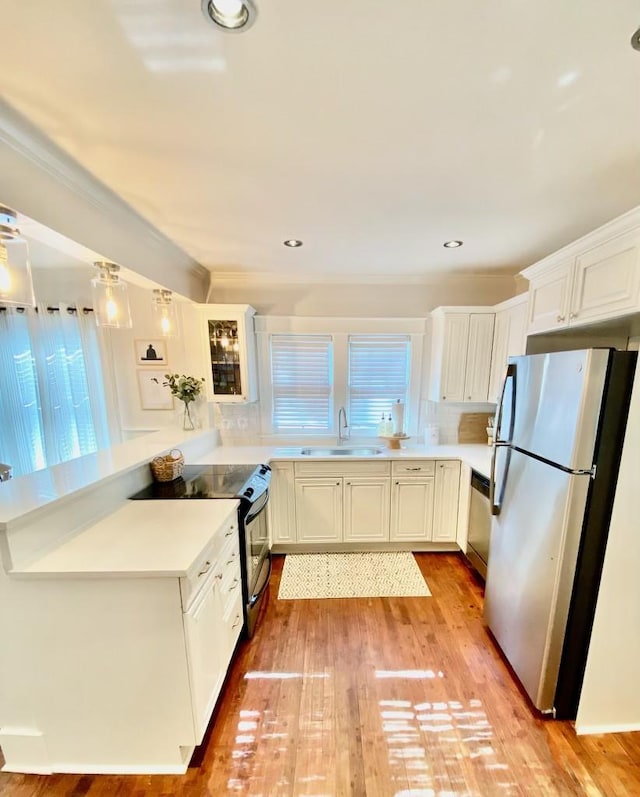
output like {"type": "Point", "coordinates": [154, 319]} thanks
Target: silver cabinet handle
{"type": "Point", "coordinates": [237, 622]}
{"type": "Point", "coordinates": [205, 569]}
{"type": "Point", "coordinates": [230, 532]}
{"type": "Point", "coordinates": [444, 397]}
{"type": "Point", "coordinates": [230, 561]}
{"type": "Point", "coordinates": [560, 318]}
{"type": "Point", "coordinates": [573, 315]}
{"type": "Point", "coordinates": [234, 585]}
{"type": "Point", "coordinates": [219, 576]}
{"type": "Point", "coordinates": [414, 468]}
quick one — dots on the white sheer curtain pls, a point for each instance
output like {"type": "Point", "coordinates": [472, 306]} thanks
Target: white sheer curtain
{"type": "Point", "coordinates": [21, 444]}
{"type": "Point", "coordinates": [52, 399]}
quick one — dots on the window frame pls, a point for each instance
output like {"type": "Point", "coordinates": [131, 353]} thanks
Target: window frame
{"type": "Point", "coordinates": [339, 329]}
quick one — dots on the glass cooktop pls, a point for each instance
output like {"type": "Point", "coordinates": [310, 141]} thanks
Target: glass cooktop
{"type": "Point", "coordinates": [210, 481]}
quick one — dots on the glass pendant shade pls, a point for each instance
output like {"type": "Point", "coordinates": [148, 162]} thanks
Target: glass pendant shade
{"type": "Point", "coordinates": [164, 313]}
{"type": "Point", "coordinates": [16, 284]}
{"type": "Point", "coordinates": [110, 298]}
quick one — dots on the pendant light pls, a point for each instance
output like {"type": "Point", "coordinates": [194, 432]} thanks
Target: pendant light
{"type": "Point", "coordinates": [110, 297]}
{"type": "Point", "coordinates": [16, 284]}
{"type": "Point", "coordinates": [164, 312]}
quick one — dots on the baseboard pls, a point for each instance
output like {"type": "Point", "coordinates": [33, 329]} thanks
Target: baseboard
{"type": "Point", "coordinates": [626, 727]}
{"type": "Point", "coordinates": [343, 547]}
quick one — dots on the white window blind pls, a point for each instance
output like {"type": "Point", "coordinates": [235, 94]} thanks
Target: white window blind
{"type": "Point", "coordinates": [301, 378]}
{"type": "Point", "coordinates": [378, 377]}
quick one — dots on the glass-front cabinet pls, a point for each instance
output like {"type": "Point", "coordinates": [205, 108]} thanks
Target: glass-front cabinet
{"type": "Point", "coordinates": [229, 343]}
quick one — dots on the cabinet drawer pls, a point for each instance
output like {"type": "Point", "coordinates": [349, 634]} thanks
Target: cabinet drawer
{"type": "Point", "coordinates": [214, 555]}
{"type": "Point", "coordinates": [358, 467]}
{"type": "Point", "coordinates": [413, 467]}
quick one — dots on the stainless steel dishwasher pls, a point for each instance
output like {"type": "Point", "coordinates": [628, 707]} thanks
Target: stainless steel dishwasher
{"type": "Point", "coordinates": [479, 523]}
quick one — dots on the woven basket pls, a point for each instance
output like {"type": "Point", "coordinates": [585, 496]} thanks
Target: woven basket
{"type": "Point", "coordinates": [169, 467]}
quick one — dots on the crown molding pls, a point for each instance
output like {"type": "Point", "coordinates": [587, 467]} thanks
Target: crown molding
{"type": "Point", "coordinates": [251, 278]}
{"type": "Point", "coordinates": [625, 223]}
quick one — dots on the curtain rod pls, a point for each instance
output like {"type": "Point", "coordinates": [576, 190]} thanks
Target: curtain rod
{"type": "Point", "coordinates": [70, 310]}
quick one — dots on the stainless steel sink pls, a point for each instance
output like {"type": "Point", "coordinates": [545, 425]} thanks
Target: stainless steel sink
{"type": "Point", "coordinates": [342, 451]}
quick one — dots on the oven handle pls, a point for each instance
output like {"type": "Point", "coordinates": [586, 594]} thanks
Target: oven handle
{"type": "Point", "coordinates": [265, 582]}
{"type": "Point", "coordinates": [254, 512]}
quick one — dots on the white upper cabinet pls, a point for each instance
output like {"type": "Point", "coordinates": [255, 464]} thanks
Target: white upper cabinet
{"type": "Point", "coordinates": [593, 279]}
{"type": "Point", "coordinates": [509, 339]}
{"type": "Point", "coordinates": [461, 343]}
{"type": "Point", "coordinates": [228, 351]}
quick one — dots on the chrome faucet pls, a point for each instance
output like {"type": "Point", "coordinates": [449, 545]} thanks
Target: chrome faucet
{"type": "Point", "coordinates": [344, 432]}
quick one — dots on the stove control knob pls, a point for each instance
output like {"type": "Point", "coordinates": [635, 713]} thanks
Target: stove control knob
{"type": "Point", "coordinates": [264, 469]}
{"type": "Point", "coordinates": [248, 492]}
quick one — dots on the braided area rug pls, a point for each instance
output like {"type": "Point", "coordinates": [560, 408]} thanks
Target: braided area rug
{"type": "Point", "coordinates": [351, 575]}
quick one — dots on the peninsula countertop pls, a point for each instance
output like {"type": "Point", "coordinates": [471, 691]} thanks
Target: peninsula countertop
{"type": "Point", "coordinates": [141, 539]}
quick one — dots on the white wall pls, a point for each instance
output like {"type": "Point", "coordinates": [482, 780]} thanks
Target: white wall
{"type": "Point", "coordinates": [610, 699]}
{"type": "Point", "coordinates": [391, 298]}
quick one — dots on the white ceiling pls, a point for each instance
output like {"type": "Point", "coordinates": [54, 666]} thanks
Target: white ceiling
{"type": "Point", "coordinates": [372, 130]}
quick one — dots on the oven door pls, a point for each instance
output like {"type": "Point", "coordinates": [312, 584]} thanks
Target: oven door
{"type": "Point", "coordinates": [257, 558]}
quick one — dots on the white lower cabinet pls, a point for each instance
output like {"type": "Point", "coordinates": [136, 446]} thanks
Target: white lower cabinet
{"type": "Point", "coordinates": [207, 668]}
{"type": "Point", "coordinates": [445, 508]}
{"type": "Point", "coordinates": [365, 501]}
{"type": "Point", "coordinates": [412, 509]}
{"type": "Point", "coordinates": [366, 510]}
{"type": "Point", "coordinates": [281, 509]}
{"type": "Point", "coordinates": [319, 510]}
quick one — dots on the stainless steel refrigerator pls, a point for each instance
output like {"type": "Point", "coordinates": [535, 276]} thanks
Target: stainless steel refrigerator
{"type": "Point", "coordinates": [560, 427]}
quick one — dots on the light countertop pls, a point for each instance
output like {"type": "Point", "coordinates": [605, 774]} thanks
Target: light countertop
{"type": "Point", "coordinates": [477, 457]}
{"type": "Point", "coordinates": [143, 538]}
{"type": "Point", "coordinates": [28, 493]}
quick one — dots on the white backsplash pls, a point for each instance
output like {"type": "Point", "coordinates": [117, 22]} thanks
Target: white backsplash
{"type": "Point", "coordinates": [446, 416]}
{"type": "Point", "coordinates": [237, 424]}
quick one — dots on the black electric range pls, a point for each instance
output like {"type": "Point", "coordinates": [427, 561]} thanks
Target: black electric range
{"type": "Point", "coordinates": [250, 484]}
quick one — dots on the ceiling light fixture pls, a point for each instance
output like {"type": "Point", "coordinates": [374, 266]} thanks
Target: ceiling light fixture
{"type": "Point", "coordinates": [292, 242]}
{"type": "Point", "coordinates": [110, 297]}
{"type": "Point", "coordinates": [452, 244]}
{"type": "Point", "coordinates": [232, 16]}
{"type": "Point", "coordinates": [16, 283]}
{"type": "Point", "coordinates": [164, 312]}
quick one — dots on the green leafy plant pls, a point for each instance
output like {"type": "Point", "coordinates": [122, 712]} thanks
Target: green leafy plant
{"type": "Point", "coordinates": [186, 388]}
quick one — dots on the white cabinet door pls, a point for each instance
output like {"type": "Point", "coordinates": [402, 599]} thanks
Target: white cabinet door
{"type": "Point", "coordinates": [549, 296]}
{"type": "Point", "coordinates": [499, 354]}
{"type": "Point", "coordinates": [366, 510]}
{"type": "Point", "coordinates": [229, 352]}
{"type": "Point", "coordinates": [282, 504]}
{"type": "Point", "coordinates": [319, 510]}
{"type": "Point", "coordinates": [412, 509]}
{"type": "Point", "coordinates": [207, 665]}
{"type": "Point", "coordinates": [445, 510]}
{"type": "Point", "coordinates": [607, 280]}
{"type": "Point", "coordinates": [517, 340]}
{"type": "Point", "coordinates": [476, 383]}
{"type": "Point", "coordinates": [454, 357]}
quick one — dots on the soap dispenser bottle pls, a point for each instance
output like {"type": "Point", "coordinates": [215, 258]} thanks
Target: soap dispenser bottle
{"type": "Point", "coordinates": [382, 426]}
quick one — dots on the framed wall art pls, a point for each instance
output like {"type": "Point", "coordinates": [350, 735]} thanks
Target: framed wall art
{"type": "Point", "coordinates": [151, 352]}
{"type": "Point", "coordinates": [153, 394]}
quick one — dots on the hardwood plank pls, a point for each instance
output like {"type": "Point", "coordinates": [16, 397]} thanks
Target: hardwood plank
{"type": "Point", "coordinates": [378, 697]}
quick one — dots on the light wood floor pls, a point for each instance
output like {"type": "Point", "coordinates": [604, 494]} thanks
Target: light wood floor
{"type": "Point", "coordinates": [383, 697]}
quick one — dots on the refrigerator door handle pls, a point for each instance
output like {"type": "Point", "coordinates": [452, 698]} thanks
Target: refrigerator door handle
{"type": "Point", "coordinates": [511, 374]}
{"type": "Point", "coordinates": [498, 443]}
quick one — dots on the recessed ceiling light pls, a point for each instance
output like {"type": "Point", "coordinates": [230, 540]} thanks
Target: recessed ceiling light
{"type": "Point", "coordinates": [635, 40]}
{"type": "Point", "coordinates": [292, 242]}
{"type": "Point", "coordinates": [233, 16]}
{"type": "Point", "coordinates": [452, 244]}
